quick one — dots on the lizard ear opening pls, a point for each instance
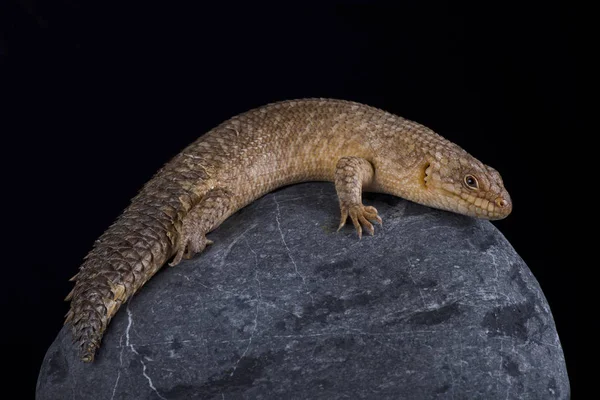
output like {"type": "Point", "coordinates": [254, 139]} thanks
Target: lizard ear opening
{"type": "Point", "coordinates": [425, 173]}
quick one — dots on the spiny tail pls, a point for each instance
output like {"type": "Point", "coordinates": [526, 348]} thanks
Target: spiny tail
{"type": "Point", "coordinates": [127, 255]}
{"type": "Point", "coordinates": [134, 248]}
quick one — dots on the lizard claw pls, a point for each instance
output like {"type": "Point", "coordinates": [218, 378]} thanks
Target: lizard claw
{"type": "Point", "coordinates": [190, 245]}
{"type": "Point", "coordinates": [360, 216]}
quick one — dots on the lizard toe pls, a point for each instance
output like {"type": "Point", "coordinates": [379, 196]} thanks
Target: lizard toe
{"type": "Point", "coordinates": [360, 217]}
{"type": "Point", "coordinates": [190, 246]}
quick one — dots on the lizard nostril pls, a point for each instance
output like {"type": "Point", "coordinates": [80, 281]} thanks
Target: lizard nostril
{"type": "Point", "coordinates": [500, 202]}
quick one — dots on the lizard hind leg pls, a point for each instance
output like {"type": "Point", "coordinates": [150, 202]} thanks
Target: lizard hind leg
{"type": "Point", "coordinates": [205, 216]}
{"type": "Point", "coordinates": [351, 175]}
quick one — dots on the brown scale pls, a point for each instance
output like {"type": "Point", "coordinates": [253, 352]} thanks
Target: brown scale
{"type": "Point", "coordinates": [357, 147]}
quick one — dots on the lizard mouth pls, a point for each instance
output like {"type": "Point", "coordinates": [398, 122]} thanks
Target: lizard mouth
{"type": "Point", "coordinates": [463, 203]}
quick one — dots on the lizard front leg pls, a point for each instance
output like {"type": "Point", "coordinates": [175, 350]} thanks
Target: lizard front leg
{"type": "Point", "coordinates": [351, 175]}
{"type": "Point", "coordinates": [205, 216]}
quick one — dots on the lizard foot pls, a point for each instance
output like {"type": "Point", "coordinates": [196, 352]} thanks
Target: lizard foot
{"type": "Point", "coordinates": [190, 245]}
{"type": "Point", "coordinates": [360, 215]}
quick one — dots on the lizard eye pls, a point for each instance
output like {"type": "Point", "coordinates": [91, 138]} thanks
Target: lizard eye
{"type": "Point", "coordinates": [471, 182]}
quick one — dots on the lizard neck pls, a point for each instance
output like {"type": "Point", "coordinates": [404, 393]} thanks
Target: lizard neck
{"type": "Point", "coordinates": [402, 178]}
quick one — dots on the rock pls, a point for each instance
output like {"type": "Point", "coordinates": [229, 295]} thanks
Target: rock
{"type": "Point", "coordinates": [435, 305]}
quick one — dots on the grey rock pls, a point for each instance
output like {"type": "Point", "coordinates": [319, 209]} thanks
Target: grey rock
{"type": "Point", "coordinates": [434, 306]}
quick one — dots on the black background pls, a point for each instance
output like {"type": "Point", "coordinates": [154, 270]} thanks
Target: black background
{"type": "Point", "coordinates": [103, 96]}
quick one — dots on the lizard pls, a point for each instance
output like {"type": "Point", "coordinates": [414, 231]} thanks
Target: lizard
{"type": "Point", "coordinates": [357, 147]}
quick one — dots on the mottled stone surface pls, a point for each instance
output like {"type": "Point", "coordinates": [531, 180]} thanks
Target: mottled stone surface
{"type": "Point", "coordinates": [435, 305]}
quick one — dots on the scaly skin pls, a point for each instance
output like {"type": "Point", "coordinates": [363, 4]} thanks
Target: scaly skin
{"type": "Point", "coordinates": [358, 147]}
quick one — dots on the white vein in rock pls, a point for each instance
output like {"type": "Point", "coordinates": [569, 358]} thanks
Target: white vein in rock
{"type": "Point", "coordinates": [289, 253]}
{"type": "Point", "coordinates": [120, 366]}
{"type": "Point", "coordinates": [130, 345]}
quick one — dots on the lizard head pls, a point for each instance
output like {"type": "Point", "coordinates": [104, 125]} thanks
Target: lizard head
{"type": "Point", "coordinates": [462, 184]}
